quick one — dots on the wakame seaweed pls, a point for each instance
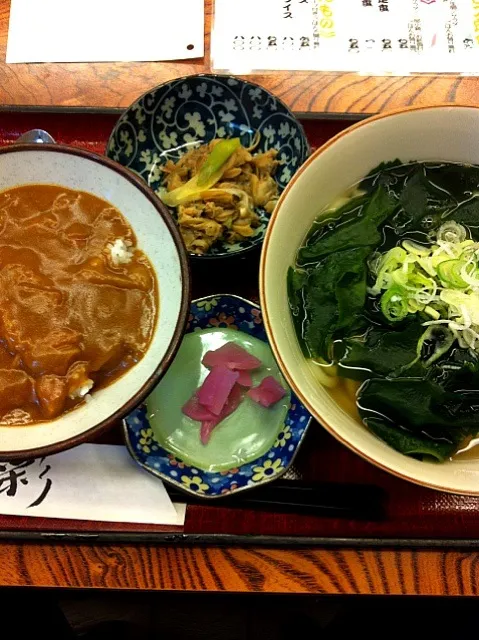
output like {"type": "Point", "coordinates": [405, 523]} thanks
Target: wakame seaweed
{"type": "Point", "coordinates": [418, 409]}
{"type": "Point", "coordinates": [428, 194]}
{"type": "Point", "coordinates": [383, 351]}
{"type": "Point", "coordinates": [360, 231]}
{"type": "Point", "coordinates": [423, 408]}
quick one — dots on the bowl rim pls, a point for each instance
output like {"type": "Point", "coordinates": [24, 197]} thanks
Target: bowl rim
{"type": "Point", "coordinates": [222, 76]}
{"type": "Point", "coordinates": [217, 496]}
{"type": "Point", "coordinates": [181, 322]}
{"type": "Point", "coordinates": [262, 287]}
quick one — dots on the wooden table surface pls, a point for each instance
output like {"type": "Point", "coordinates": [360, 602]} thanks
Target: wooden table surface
{"type": "Point", "coordinates": [119, 84]}
{"type": "Point", "coordinates": [315, 571]}
{"type": "Point", "coordinates": [339, 571]}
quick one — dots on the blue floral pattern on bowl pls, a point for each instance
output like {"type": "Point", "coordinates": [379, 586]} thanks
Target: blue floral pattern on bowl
{"type": "Point", "coordinates": [235, 313]}
{"type": "Point", "coordinates": [166, 122]}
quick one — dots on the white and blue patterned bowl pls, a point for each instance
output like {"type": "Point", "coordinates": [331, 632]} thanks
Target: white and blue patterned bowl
{"type": "Point", "coordinates": [165, 122]}
{"type": "Point", "coordinates": [233, 312]}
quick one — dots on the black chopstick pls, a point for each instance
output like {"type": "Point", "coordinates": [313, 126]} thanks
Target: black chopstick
{"type": "Point", "coordinates": [337, 500]}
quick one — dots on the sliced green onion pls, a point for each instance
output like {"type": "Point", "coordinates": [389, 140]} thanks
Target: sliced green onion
{"type": "Point", "coordinates": [374, 261]}
{"type": "Point", "coordinates": [389, 263]}
{"type": "Point", "coordinates": [470, 273]}
{"type": "Point", "coordinates": [451, 232]}
{"type": "Point", "coordinates": [439, 256]}
{"type": "Point", "coordinates": [469, 337]}
{"type": "Point", "coordinates": [413, 305]}
{"type": "Point", "coordinates": [427, 265]}
{"type": "Point", "coordinates": [435, 315]}
{"type": "Point", "coordinates": [399, 277]}
{"type": "Point", "coordinates": [416, 248]}
{"type": "Point", "coordinates": [218, 156]}
{"type": "Point", "coordinates": [441, 281]}
{"type": "Point", "coordinates": [209, 174]}
{"type": "Point", "coordinates": [450, 273]}
{"type": "Point", "coordinates": [444, 339]}
{"type": "Point", "coordinates": [394, 304]}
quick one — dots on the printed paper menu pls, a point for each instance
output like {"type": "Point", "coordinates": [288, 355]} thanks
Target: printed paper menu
{"type": "Point", "coordinates": [367, 36]}
{"type": "Point", "coordinates": [104, 30]}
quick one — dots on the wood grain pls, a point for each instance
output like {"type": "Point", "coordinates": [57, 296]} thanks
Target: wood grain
{"type": "Point", "coordinates": [119, 84]}
{"type": "Point", "coordinates": [239, 570]}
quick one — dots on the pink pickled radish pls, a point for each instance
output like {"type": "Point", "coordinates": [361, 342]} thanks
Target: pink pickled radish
{"type": "Point", "coordinates": [234, 400]}
{"type": "Point", "coordinates": [268, 392]}
{"type": "Point", "coordinates": [216, 388]}
{"type": "Point", "coordinates": [245, 379]}
{"type": "Point", "coordinates": [206, 430]}
{"type": "Point", "coordinates": [232, 356]}
{"type": "Point", "coordinates": [196, 411]}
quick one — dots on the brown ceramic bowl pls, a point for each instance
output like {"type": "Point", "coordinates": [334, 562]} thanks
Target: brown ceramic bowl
{"type": "Point", "coordinates": [157, 237]}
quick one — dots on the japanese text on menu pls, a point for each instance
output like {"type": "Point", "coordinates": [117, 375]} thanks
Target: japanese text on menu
{"type": "Point", "coordinates": [348, 35]}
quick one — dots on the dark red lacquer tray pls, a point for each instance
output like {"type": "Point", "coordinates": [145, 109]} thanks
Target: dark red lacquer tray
{"type": "Point", "coordinates": [413, 515]}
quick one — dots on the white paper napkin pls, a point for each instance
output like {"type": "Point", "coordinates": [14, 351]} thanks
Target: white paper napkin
{"type": "Point", "coordinates": [89, 482]}
{"type": "Point", "coordinates": [105, 30]}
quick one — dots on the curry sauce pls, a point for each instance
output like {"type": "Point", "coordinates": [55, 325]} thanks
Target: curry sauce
{"type": "Point", "coordinates": [78, 300]}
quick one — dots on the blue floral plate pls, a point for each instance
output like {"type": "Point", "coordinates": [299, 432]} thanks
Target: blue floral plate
{"type": "Point", "coordinates": [231, 313]}
{"type": "Point", "coordinates": [164, 123]}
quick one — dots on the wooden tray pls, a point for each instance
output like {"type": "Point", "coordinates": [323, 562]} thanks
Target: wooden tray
{"type": "Point", "coordinates": [414, 515]}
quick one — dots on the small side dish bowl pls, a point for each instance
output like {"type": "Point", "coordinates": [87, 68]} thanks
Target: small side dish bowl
{"type": "Point", "coordinates": [157, 236]}
{"type": "Point", "coordinates": [227, 312]}
{"type": "Point", "coordinates": [169, 120]}
{"type": "Point", "coordinates": [424, 134]}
